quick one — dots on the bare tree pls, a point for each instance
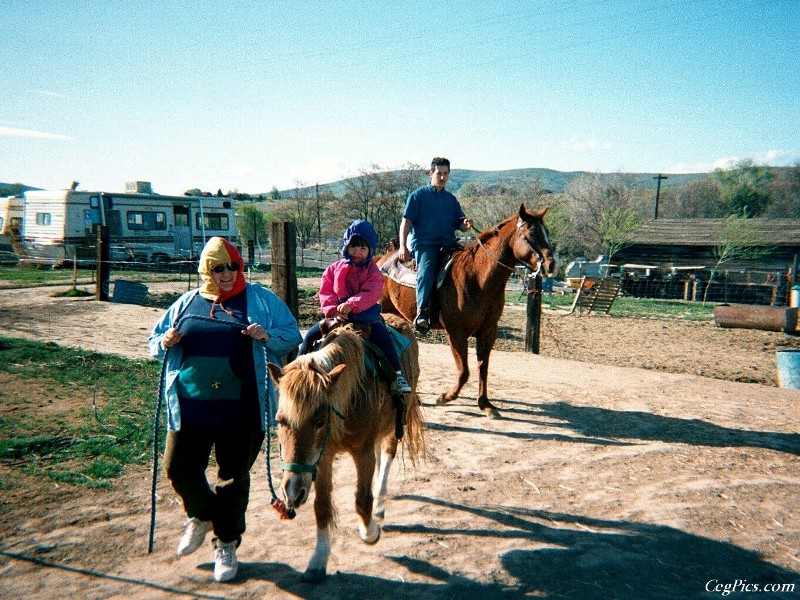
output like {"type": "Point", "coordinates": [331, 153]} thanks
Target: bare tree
{"type": "Point", "coordinates": [604, 214]}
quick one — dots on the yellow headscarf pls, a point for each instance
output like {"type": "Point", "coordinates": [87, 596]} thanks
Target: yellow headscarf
{"type": "Point", "coordinates": [218, 251]}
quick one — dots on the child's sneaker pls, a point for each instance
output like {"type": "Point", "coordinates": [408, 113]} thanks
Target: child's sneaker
{"type": "Point", "coordinates": [401, 385]}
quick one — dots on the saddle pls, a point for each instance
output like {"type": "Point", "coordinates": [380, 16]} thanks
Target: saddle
{"type": "Point", "coordinates": [405, 273]}
{"type": "Point", "coordinates": [376, 361]}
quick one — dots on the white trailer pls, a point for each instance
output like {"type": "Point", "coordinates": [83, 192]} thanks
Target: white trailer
{"type": "Point", "coordinates": [60, 225]}
{"type": "Point", "coordinates": [10, 226]}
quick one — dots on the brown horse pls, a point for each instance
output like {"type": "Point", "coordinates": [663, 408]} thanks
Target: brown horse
{"type": "Point", "coordinates": [472, 297]}
{"type": "Point", "coordinates": [331, 403]}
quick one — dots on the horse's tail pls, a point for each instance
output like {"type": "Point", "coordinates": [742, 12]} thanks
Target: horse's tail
{"type": "Point", "coordinates": [414, 442]}
{"type": "Point", "coordinates": [414, 431]}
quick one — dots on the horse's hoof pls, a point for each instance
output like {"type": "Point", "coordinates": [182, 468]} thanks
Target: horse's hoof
{"type": "Point", "coordinates": [372, 535]}
{"type": "Point", "coordinates": [443, 400]}
{"type": "Point", "coordinates": [489, 409]}
{"type": "Point", "coordinates": [491, 413]}
{"type": "Point", "coordinates": [314, 575]}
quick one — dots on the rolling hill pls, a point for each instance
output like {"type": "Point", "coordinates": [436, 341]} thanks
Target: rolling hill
{"type": "Point", "coordinates": [554, 181]}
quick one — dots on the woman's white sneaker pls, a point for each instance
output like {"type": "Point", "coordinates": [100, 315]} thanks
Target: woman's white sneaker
{"type": "Point", "coordinates": [193, 536]}
{"type": "Point", "coordinates": [225, 563]}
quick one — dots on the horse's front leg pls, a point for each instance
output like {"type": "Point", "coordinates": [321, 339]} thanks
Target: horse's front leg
{"type": "Point", "coordinates": [484, 342]}
{"type": "Point", "coordinates": [368, 529]}
{"type": "Point", "coordinates": [459, 348]}
{"type": "Point", "coordinates": [323, 512]}
{"type": "Point", "coordinates": [388, 450]}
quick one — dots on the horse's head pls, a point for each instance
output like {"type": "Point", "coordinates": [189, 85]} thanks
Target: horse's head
{"type": "Point", "coordinates": [532, 242]}
{"type": "Point", "coordinates": [305, 421]}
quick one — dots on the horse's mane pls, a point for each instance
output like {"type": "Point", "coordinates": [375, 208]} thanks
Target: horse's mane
{"type": "Point", "coordinates": [486, 236]}
{"type": "Point", "coordinates": [306, 380]}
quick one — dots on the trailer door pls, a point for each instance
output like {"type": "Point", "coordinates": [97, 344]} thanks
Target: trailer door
{"type": "Point", "coordinates": [182, 231]}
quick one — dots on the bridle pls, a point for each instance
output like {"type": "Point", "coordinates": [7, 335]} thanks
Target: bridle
{"type": "Point", "coordinates": [520, 223]}
{"type": "Point", "coordinates": [312, 468]}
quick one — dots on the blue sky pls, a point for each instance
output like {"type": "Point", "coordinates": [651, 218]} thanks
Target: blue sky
{"type": "Point", "coordinates": [251, 95]}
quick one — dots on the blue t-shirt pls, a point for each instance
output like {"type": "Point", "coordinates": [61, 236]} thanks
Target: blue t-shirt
{"type": "Point", "coordinates": [434, 216]}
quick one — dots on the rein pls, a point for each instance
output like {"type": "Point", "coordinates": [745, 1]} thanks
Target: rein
{"type": "Point", "coordinates": [312, 468]}
{"type": "Point", "coordinates": [501, 263]}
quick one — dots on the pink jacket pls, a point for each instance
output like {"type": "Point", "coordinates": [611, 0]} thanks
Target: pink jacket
{"type": "Point", "coordinates": [361, 287]}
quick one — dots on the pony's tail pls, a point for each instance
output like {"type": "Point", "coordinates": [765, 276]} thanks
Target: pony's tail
{"type": "Point", "coordinates": [414, 441]}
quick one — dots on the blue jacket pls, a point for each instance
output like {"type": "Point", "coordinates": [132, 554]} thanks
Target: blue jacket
{"type": "Point", "coordinates": [264, 308]}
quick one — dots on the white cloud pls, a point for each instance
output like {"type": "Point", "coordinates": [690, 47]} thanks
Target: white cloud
{"type": "Point", "coordinates": [30, 133]}
{"type": "Point", "coordinates": [322, 169]}
{"type": "Point", "coordinates": [773, 158]}
{"type": "Point", "coordinates": [584, 144]}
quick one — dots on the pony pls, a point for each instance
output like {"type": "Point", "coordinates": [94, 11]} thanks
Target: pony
{"type": "Point", "coordinates": [331, 403]}
{"type": "Point", "coordinates": [471, 298]}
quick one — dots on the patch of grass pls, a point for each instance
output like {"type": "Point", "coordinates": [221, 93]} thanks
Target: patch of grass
{"type": "Point", "coordinates": [32, 275]}
{"type": "Point", "coordinates": [95, 444]}
{"type": "Point", "coordinates": [624, 306]}
{"type": "Point", "coordinates": [74, 293]}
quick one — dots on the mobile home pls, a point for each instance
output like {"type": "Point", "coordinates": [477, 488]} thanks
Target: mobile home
{"type": "Point", "coordinates": [144, 227]}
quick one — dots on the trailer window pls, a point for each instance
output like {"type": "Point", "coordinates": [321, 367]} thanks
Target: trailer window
{"type": "Point", "coordinates": [213, 221]}
{"type": "Point", "coordinates": [142, 220]}
{"type": "Point", "coordinates": [43, 218]}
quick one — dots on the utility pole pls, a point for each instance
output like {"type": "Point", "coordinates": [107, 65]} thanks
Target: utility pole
{"type": "Point", "coordinates": [319, 218]}
{"type": "Point", "coordinates": [658, 177]}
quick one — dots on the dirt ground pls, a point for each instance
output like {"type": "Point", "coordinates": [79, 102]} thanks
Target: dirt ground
{"type": "Point", "coordinates": [634, 458]}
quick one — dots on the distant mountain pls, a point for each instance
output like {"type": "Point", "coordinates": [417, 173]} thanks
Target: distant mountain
{"type": "Point", "coordinates": [553, 181]}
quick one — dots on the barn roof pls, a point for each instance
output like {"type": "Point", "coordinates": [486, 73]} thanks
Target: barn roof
{"type": "Point", "coordinates": [706, 232]}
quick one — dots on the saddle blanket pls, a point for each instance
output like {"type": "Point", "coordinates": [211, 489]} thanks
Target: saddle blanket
{"type": "Point", "coordinates": [405, 274]}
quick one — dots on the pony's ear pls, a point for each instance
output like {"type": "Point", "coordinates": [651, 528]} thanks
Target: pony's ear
{"type": "Point", "coordinates": [522, 211]}
{"type": "Point", "coordinates": [335, 372]}
{"type": "Point", "coordinates": [275, 371]}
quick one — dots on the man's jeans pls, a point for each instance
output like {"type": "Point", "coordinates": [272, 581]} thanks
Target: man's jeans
{"type": "Point", "coordinates": [427, 258]}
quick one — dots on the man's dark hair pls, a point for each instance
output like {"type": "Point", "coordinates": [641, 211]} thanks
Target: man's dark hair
{"type": "Point", "coordinates": [440, 161]}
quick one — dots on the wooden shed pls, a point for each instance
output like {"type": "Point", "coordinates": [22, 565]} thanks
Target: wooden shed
{"type": "Point", "coordinates": [681, 250]}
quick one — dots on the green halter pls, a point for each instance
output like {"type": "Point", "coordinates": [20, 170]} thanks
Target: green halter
{"type": "Point", "coordinates": [304, 468]}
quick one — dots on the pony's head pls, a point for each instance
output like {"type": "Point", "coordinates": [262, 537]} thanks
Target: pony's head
{"type": "Point", "coordinates": [532, 242]}
{"type": "Point", "coordinates": [315, 391]}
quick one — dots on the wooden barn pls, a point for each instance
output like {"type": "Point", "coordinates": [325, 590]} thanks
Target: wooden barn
{"type": "Point", "coordinates": [673, 258]}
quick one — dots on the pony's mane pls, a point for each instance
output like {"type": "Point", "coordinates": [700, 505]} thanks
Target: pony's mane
{"type": "Point", "coordinates": [305, 381]}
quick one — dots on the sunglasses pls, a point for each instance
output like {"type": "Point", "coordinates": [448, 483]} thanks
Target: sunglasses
{"type": "Point", "coordinates": [232, 267]}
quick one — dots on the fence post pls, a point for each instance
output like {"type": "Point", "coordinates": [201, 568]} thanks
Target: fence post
{"type": "Point", "coordinates": [103, 262]}
{"type": "Point", "coordinates": [284, 264]}
{"type": "Point", "coordinates": [534, 315]}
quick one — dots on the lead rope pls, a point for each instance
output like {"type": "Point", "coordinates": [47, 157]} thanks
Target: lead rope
{"type": "Point", "coordinates": [276, 503]}
{"type": "Point", "coordinates": [156, 428]}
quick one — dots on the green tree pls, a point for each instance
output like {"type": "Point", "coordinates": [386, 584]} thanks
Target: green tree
{"type": "Point", "coordinates": [738, 240]}
{"type": "Point", "coordinates": [745, 188]}
{"type": "Point", "coordinates": [251, 223]}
